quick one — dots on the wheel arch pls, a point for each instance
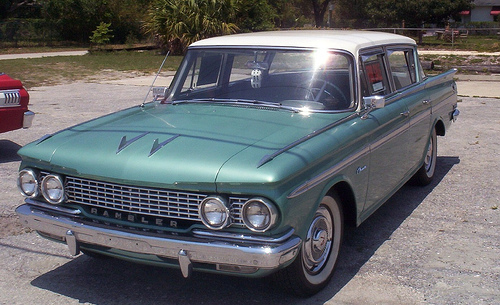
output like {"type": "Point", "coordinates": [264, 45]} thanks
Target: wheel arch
{"type": "Point", "coordinates": [440, 128]}
{"type": "Point", "coordinates": [347, 200]}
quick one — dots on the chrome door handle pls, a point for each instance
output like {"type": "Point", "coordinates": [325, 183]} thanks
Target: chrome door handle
{"type": "Point", "coordinates": [406, 113]}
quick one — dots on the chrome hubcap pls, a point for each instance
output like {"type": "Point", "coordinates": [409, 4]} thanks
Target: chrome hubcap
{"type": "Point", "coordinates": [428, 156]}
{"type": "Point", "coordinates": [318, 243]}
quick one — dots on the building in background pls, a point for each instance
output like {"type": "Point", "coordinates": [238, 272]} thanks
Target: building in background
{"type": "Point", "coordinates": [483, 11]}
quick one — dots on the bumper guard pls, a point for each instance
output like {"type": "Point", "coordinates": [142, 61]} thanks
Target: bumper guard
{"type": "Point", "coordinates": [186, 250]}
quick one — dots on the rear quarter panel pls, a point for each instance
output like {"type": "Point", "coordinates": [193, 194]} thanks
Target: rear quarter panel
{"type": "Point", "coordinates": [11, 117]}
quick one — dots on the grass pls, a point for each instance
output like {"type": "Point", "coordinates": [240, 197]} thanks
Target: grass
{"type": "Point", "coordinates": [471, 43]}
{"type": "Point", "coordinates": [54, 70]}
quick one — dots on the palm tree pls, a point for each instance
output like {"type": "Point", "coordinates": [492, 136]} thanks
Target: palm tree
{"type": "Point", "coordinates": [178, 23]}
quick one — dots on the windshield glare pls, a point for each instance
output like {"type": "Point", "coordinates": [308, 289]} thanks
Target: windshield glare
{"type": "Point", "coordinates": [314, 79]}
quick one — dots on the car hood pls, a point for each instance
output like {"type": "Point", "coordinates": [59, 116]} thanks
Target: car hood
{"type": "Point", "coordinates": [179, 146]}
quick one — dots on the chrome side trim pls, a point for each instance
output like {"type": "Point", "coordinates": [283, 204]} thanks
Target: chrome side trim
{"type": "Point", "coordinates": [43, 138]}
{"type": "Point", "coordinates": [444, 104]}
{"type": "Point", "coordinates": [346, 162]}
{"type": "Point", "coordinates": [420, 117]}
{"type": "Point", "coordinates": [389, 136]}
{"type": "Point", "coordinates": [270, 157]}
{"type": "Point", "coordinates": [264, 255]}
{"type": "Point", "coordinates": [329, 172]}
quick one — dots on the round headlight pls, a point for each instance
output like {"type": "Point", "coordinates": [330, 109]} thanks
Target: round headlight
{"type": "Point", "coordinates": [27, 182]}
{"type": "Point", "coordinates": [53, 189]}
{"type": "Point", "coordinates": [258, 214]}
{"type": "Point", "coordinates": [214, 213]}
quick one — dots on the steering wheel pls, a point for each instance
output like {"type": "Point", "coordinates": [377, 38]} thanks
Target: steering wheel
{"type": "Point", "coordinates": [327, 93]}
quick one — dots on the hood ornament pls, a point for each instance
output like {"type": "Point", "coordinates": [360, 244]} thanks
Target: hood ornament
{"type": "Point", "coordinates": [124, 143]}
{"type": "Point", "coordinates": [157, 146]}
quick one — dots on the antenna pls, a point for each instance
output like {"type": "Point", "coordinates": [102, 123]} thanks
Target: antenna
{"type": "Point", "coordinates": [154, 80]}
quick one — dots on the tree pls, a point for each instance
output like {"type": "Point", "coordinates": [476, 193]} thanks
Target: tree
{"type": "Point", "coordinates": [76, 19]}
{"type": "Point", "coordinates": [254, 15]}
{"type": "Point", "coordinates": [352, 13]}
{"type": "Point", "coordinates": [178, 23]}
{"type": "Point", "coordinates": [319, 9]}
{"type": "Point", "coordinates": [18, 8]}
{"type": "Point", "coordinates": [393, 13]}
{"type": "Point", "coordinates": [416, 13]}
{"type": "Point", "coordinates": [291, 13]}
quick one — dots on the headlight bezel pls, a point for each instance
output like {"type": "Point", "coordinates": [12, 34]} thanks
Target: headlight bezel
{"type": "Point", "coordinates": [271, 217]}
{"type": "Point", "coordinates": [221, 203]}
{"type": "Point", "coordinates": [45, 190]}
{"type": "Point", "coordinates": [35, 177]}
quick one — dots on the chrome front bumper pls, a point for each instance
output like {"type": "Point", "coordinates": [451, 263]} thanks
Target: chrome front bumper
{"type": "Point", "coordinates": [216, 249]}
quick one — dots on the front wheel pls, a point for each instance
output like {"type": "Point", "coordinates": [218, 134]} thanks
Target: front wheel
{"type": "Point", "coordinates": [312, 269]}
{"type": "Point", "coordinates": [425, 174]}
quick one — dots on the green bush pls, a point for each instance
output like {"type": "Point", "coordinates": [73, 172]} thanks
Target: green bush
{"type": "Point", "coordinates": [101, 35]}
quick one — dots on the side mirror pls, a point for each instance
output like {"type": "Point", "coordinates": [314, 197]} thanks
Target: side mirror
{"type": "Point", "coordinates": [372, 102]}
{"type": "Point", "coordinates": [160, 93]}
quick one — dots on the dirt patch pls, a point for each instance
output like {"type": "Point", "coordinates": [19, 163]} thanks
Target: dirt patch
{"type": "Point", "coordinates": [10, 225]}
{"type": "Point", "coordinates": [472, 64]}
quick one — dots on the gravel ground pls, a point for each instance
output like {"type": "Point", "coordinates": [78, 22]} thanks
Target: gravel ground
{"type": "Point", "coordinates": [434, 245]}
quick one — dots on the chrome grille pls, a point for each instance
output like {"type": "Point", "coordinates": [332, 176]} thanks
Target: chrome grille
{"type": "Point", "coordinates": [143, 201]}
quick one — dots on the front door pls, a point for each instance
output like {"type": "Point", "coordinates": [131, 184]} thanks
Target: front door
{"type": "Point", "coordinates": [389, 140]}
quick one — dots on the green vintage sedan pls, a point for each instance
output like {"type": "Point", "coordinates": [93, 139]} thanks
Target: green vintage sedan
{"type": "Point", "coordinates": [251, 163]}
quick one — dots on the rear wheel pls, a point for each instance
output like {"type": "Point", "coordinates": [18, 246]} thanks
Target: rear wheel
{"type": "Point", "coordinates": [425, 174]}
{"type": "Point", "coordinates": [312, 269]}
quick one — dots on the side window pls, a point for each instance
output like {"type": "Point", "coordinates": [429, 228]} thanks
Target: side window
{"type": "Point", "coordinates": [403, 70]}
{"type": "Point", "coordinates": [375, 76]}
{"type": "Point", "coordinates": [204, 72]}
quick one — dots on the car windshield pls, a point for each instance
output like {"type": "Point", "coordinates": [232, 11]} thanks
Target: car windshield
{"type": "Point", "coordinates": [312, 79]}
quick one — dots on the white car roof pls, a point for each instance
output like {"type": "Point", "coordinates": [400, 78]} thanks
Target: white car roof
{"type": "Point", "coordinates": [348, 40]}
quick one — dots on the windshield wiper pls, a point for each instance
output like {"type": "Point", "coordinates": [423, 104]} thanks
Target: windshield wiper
{"type": "Point", "coordinates": [237, 102]}
{"type": "Point", "coordinates": [196, 100]}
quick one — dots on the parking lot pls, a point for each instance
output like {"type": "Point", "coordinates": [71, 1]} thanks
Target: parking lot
{"type": "Point", "coordinates": [434, 245]}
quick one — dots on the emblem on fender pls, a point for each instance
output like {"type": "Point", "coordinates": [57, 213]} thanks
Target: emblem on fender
{"type": "Point", "coordinates": [360, 169]}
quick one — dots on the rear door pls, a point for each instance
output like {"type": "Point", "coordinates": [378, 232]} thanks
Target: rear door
{"type": "Point", "coordinates": [403, 66]}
